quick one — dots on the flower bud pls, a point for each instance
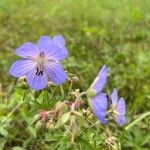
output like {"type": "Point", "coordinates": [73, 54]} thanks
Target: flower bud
{"type": "Point", "coordinates": [21, 82]}
{"type": "Point", "coordinates": [50, 125]}
{"type": "Point", "coordinates": [22, 79]}
{"type": "Point", "coordinates": [73, 79]}
{"type": "Point", "coordinates": [39, 126]}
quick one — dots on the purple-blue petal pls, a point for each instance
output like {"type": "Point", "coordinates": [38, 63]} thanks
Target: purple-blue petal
{"type": "Point", "coordinates": [45, 43]}
{"type": "Point", "coordinates": [55, 72]}
{"type": "Point", "coordinates": [21, 67]}
{"type": "Point", "coordinates": [59, 40]}
{"type": "Point", "coordinates": [121, 120]}
{"type": "Point", "coordinates": [121, 107]}
{"type": "Point", "coordinates": [37, 82]}
{"type": "Point", "coordinates": [51, 50]}
{"type": "Point", "coordinates": [114, 97]}
{"type": "Point", "coordinates": [100, 80]}
{"type": "Point", "coordinates": [99, 105]}
{"type": "Point", "coordinates": [28, 50]}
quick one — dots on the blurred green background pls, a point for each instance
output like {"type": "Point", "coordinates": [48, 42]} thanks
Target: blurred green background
{"type": "Point", "coordinates": [97, 32]}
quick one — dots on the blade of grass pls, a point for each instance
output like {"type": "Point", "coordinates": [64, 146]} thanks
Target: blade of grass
{"type": "Point", "coordinates": [136, 121]}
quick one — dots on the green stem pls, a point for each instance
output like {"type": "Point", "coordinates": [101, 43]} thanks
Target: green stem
{"type": "Point", "coordinates": [137, 120]}
{"type": "Point", "coordinates": [1, 93]}
{"type": "Point", "coordinates": [47, 98]}
{"type": "Point", "coordinates": [70, 88]}
{"type": "Point", "coordinates": [62, 91]}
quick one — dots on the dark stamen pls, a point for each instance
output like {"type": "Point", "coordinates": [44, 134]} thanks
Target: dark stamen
{"type": "Point", "coordinates": [41, 72]}
{"type": "Point", "coordinates": [37, 70]}
{"type": "Point", "coordinates": [38, 73]}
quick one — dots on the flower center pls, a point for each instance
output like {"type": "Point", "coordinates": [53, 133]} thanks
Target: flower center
{"type": "Point", "coordinates": [115, 113]}
{"type": "Point", "coordinates": [40, 64]}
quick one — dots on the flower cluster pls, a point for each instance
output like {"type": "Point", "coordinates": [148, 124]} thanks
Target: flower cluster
{"type": "Point", "coordinates": [41, 63]}
{"type": "Point", "coordinates": [99, 100]}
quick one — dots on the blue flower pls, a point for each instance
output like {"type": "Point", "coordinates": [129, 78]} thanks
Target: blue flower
{"type": "Point", "coordinates": [118, 108]}
{"type": "Point", "coordinates": [41, 62]}
{"type": "Point", "coordinates": [99, 100]}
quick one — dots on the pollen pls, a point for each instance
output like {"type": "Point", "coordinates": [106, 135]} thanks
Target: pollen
{"type": "Point", "coordinates": [115, 113]}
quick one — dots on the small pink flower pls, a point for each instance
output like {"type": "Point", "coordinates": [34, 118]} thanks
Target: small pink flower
{"type": "Point", "coordinates": [43, 115]}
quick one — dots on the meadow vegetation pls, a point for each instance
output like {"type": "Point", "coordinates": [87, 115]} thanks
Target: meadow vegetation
{"type": "Point", "coordinates": [97, 32]}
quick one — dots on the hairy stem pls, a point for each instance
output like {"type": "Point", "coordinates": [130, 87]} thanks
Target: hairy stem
{"type": "Point", "coordinates": [80, 95]}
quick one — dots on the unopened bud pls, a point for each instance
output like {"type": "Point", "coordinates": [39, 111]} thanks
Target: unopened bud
{"type": "Point", "coordinates": [39, 126]}
{"type": "Point", "coordinates": [73, 79]}
{"type": "Point", "coordinates": [22, 79]}
{"type": "Point", "coordinates": [22, 82]}
{"type": "Point", "coordinates": [50, 125]}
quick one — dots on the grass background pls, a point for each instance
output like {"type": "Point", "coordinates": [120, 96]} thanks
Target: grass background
{"type": "Point", "coordinates": [97, 32]}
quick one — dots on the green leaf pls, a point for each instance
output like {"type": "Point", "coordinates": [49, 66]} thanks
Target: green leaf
{"type": "Point", "coordinates": [34, 119]}
{"type": "Point", "coordinates": [2, 143]}
{"type": "Point", "coordinates": [37, 94]}
{"type": "Point", "coordinates": [31, 131]}
{"type": "Point", "coordinates": [4, 132]}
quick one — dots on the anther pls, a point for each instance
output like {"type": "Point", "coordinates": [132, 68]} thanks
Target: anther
{"type": "Point", "coordinates": [38, 73]}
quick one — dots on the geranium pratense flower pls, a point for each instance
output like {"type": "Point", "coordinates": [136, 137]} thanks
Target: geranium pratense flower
{"type": "Point", "coordinates": [41, 62]}
{"type": "Point", "coordinates": [99, 100]}
{"type": "Point", "coordinates": [118, 108]}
